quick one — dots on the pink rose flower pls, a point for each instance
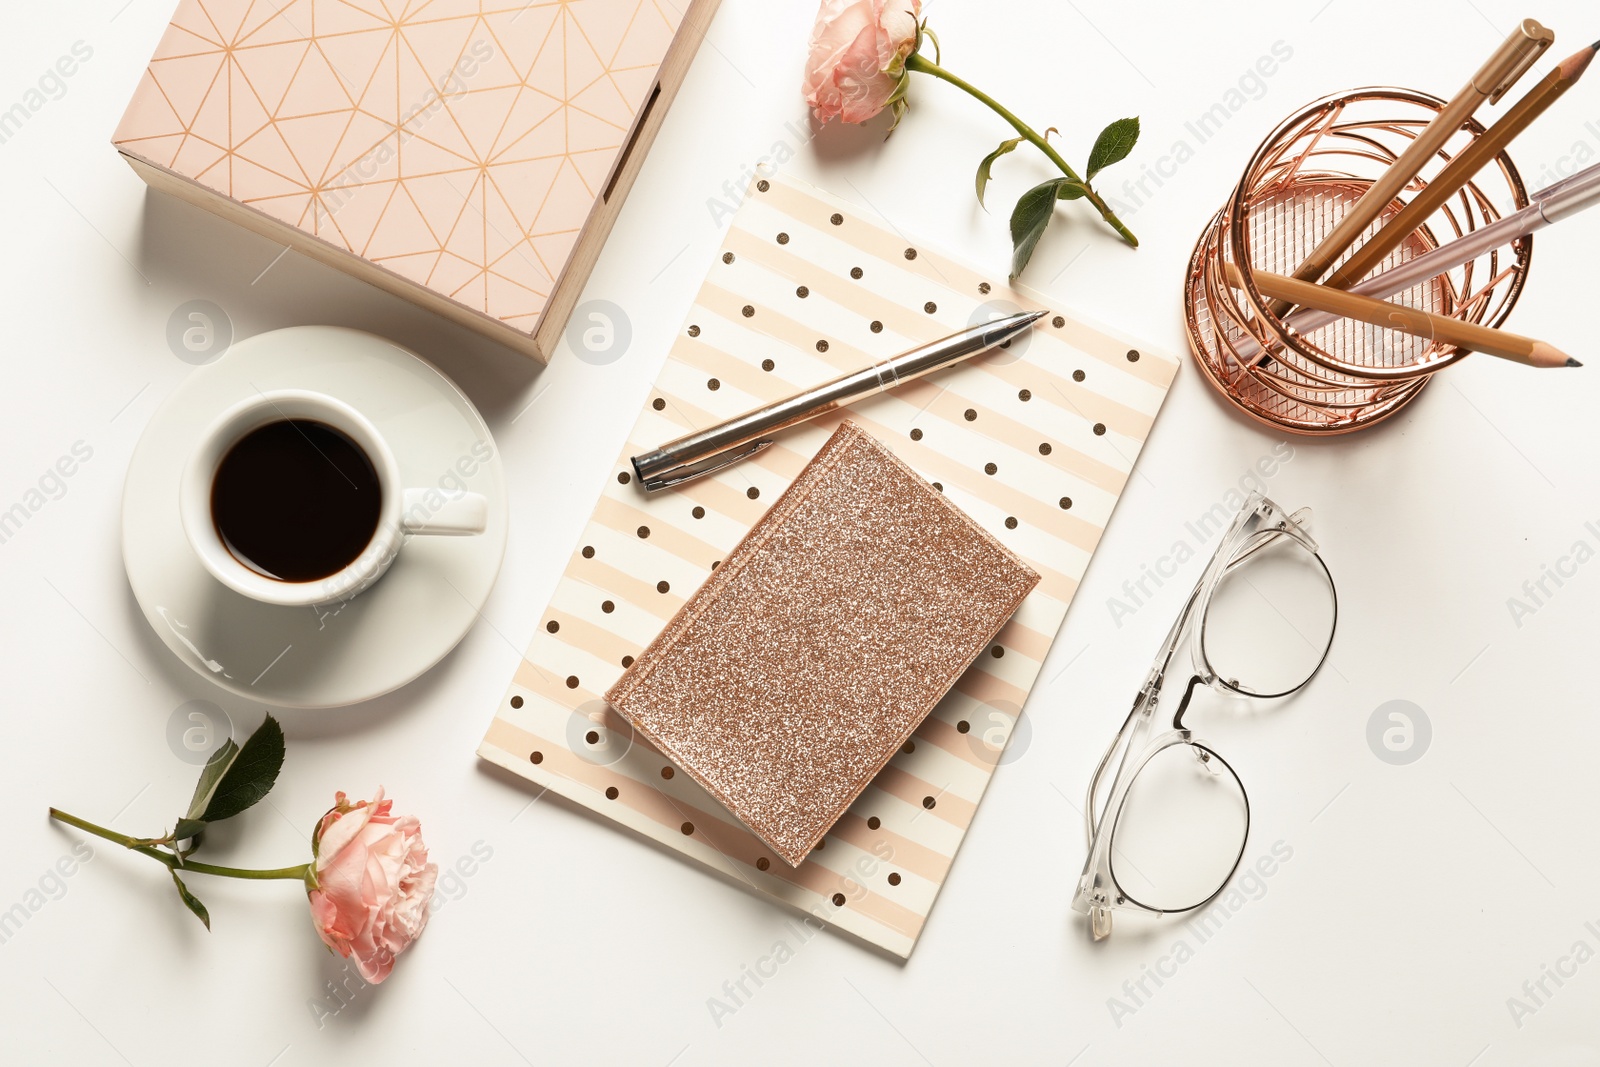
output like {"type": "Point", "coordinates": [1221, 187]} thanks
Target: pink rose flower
{"type": "Point", "coordinates": [857, 64]}
{"type": "Point", "coordinates": [373, 883]}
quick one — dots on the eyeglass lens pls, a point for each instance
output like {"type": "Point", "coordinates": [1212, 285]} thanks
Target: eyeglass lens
{"type": "Point", "coordinates": [1270, 620]}
{"type": "Point", "coordinates": [1181, 829]}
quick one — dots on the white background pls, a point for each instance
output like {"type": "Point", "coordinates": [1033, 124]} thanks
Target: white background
{"type": "Point", "coordinates": [1418, 898]}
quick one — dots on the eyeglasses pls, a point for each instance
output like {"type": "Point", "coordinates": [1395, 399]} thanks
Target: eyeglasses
{"type": "Point", "coordinates": [1173, 825]}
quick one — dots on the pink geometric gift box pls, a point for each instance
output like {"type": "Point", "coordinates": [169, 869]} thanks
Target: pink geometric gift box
{"type": "Point", "coordinates": [468, 155]}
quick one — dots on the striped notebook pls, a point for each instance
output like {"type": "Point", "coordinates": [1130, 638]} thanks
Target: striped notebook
{"type": "Point", "coordinates": [1034, 441]}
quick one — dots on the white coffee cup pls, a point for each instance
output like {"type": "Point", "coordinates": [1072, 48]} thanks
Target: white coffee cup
{"type": "Point", "coordinates": [402, 514]}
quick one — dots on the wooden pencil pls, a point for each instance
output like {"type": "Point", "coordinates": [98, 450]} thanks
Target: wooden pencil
{"type": "Point", "coordinates": [1464, 335]}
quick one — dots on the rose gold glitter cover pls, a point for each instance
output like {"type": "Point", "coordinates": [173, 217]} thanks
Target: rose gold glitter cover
{"type": "Point", "coordinates": [810, 655]}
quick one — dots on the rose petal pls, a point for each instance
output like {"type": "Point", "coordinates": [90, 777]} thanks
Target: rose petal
{"type": "Point", "coordinates": [898, 21]}
{"type": "Point", "coordinates": [865, 90]}
{"type": "Point", "coordinates": [839, 23]}
{"type": "Point", "coordinates": [344, 828]}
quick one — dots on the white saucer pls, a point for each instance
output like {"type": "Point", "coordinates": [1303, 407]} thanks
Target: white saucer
{"type": "Point", "coordinates": [382, 639]}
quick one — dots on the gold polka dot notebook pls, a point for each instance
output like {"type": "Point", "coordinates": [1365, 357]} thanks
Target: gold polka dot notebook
{"type": "Point", "coordinates": [1034, 441]}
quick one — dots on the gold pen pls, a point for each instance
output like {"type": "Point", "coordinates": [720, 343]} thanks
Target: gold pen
{"type": "Point", "coordinates": [1510, 61]}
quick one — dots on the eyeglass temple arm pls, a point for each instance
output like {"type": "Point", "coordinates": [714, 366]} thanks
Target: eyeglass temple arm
{"type": "Point", "coordinates": [1148, 695]}
{"type": "Point", "coordinates": [1124, 733]}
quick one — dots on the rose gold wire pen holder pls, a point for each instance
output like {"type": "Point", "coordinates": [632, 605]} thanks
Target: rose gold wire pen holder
{"type": "Point", "coordinates": [1301, 181]}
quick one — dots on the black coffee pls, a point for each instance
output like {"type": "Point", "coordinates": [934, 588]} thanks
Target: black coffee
{"type": "Point", "coordinates": [296, 500]}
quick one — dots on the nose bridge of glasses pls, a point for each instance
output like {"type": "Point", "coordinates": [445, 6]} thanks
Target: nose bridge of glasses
{"type": "Point", "coordinates": [1183, 705]}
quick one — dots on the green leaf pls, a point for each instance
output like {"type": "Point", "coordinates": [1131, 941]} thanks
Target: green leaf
{"type": "Point", "coordinates": [251, 774]}
{"type": "Point", "coordinates": [210, 775]}
{"type": "Point", "coordinates": [898, 103]}
{"type": "Point", "coordinates": [988, 161]}
{"type": "Point", "coordinates": [187, 828]}
{"type": "Point", "coordinates": [1113, 144]}
{"type": "Point", "coordinates": [191, 901]}
{"type": "Point", "coordinates": [1032, 215]}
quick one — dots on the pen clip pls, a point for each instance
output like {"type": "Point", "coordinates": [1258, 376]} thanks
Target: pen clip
{"type": "Point", "coordinates": [1522, 49]}
{"type": "Point", "coordinates": [687, 471]}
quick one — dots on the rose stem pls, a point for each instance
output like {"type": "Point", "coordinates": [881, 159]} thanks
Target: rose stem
{"type": "Point", "coordinates": [172, 861]}
{"type": "Point", "coordinates": [920, 63]}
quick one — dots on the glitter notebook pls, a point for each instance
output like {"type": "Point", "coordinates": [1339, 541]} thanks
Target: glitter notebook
{"type": "Point", "coordinates": [1035, 442]}
{"type": "Point", "coordinates": [813, 651]}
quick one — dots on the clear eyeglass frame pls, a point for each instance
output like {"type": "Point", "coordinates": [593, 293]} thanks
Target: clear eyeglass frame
{"type": "Point", "coordinates": [1259, 525]}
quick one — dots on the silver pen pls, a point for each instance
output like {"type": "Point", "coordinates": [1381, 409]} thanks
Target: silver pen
{"type": "Point", "coordinates": [1551, 204]}
{"type": "Point", "coordinates": [704, 451]}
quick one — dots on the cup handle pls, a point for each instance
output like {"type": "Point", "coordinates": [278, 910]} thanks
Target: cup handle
{"type": "Point", "coordinates": [429, 511]}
